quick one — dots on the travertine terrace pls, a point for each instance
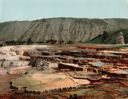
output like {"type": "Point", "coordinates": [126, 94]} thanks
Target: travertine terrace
{"type": "Point", "coordinates": [64, 71]}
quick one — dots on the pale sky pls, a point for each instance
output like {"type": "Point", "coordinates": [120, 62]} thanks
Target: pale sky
{"type": "Point", "coordinates": [12, 10]}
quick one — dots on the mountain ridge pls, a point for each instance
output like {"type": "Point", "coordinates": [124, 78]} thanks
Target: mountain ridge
{"type": "Point", "coordinates": [60, 29]}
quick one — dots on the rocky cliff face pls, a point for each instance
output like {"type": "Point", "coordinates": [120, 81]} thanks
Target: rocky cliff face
{"type": "Point", "coordinates": [59, 29]}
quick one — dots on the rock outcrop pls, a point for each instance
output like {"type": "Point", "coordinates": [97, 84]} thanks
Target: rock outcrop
{"type": "Point", "coordinates": [59, 29]}
{"type": "Point", "coordinates": [10, 56]}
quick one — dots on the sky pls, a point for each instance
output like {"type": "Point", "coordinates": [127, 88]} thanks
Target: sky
{"type": "Point", "coordinates": [14, 10]}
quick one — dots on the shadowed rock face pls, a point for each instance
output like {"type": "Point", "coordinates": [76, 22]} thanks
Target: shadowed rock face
{"type": "Point", "coordinates": [59, 29]}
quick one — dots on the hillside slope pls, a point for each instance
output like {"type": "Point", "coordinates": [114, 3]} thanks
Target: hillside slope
{"type": "Point", "coordinates": [109, 37]}
{"type": "Point", "coordinates": [59, 29]}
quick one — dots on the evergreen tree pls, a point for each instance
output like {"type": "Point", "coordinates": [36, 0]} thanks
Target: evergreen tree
{"type": "Point", "coordinates": [29, 41]}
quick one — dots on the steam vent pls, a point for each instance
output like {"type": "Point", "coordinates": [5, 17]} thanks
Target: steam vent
{"type": "Point", "coordinates": [120, 38]}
